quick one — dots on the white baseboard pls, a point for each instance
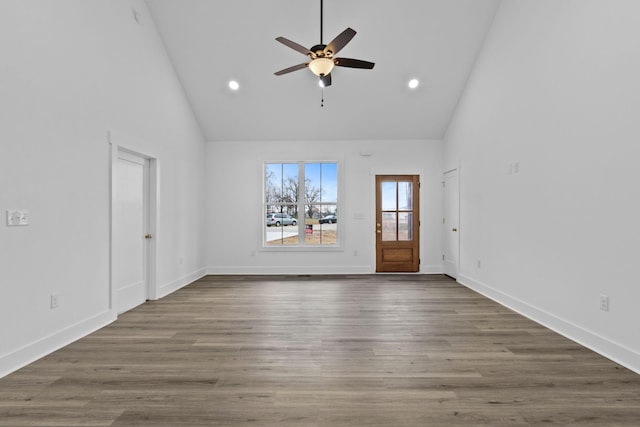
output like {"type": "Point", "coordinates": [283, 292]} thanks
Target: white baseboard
{"type": "Point", "coordinates": [431, 269]}
{"type": "Point", "coordinates": [169, 288]}
{"type": "Point", "coordinates": [17, 359]}
{"type": "Point", "coordinates": [268, 270]}
{"type": "Point", "coordinates": [607, 348]}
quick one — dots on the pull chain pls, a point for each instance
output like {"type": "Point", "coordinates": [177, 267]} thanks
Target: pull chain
{"type": "Point", "coordinates": [322, 99]}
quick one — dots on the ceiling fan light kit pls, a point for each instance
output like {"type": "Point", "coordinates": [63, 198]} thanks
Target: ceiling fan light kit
{"type": "Point", "coordinates": [321, 66]}
{"type": "Point", "coordinates": [322, 60]}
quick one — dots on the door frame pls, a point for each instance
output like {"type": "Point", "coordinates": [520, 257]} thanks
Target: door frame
{"type": "Point", "coordinates": [373, 172]}
{"type": "Point", "coordinates": [125, 144]}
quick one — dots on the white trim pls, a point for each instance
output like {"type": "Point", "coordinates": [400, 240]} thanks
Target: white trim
{"type": "Point", "coordinates": [113, 153]}
{"type": "Point", "coordinates": [299, 249]}
{"type": "Point", "coordinates": [127, 155]}
{"type": "Point", "coordinates": [601, 345]}
{"type": "Point", "coordinates": [28, 354]}
{"type": "Point", "coordinates": [21, 357]}
{"type": "Point", "coordinates": [431, 269]}
{"type": "Point", "coordinates": [154, 203]}
{"type": "Point", "coordinates": [171, 287]}
{"type": "Point", "coordinates": [309, 270]}
{"type": "Point", "coordinates": [305, 270]}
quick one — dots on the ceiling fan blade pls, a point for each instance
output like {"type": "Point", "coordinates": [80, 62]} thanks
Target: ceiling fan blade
{"type": "Point", "coordinates": [293, 45]}
{"type": "Point", "coordinates": [340, 41]}
{"type": "Point", "coordinates": [353, 63]}
{"type": "Point", "coordinates": [290, 69]}
{"type": "Point", "coordinates": [325, 81]}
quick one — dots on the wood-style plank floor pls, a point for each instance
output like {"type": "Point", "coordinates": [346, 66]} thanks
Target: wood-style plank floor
{"type": "Point", "coordinates": [371, 350]}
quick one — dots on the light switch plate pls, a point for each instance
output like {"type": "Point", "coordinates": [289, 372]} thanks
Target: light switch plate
{"type": "Point", "coordinates": [11, 218]}
{"type": "Point", "coordinates": [17, 218]}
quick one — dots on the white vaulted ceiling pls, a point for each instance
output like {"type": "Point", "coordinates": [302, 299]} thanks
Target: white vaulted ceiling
{"type": "Point", "coordinates": [211, 42]}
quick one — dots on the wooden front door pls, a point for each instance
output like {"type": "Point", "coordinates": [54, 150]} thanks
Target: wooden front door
{"type": "Point", "coordinates": [397, 223]}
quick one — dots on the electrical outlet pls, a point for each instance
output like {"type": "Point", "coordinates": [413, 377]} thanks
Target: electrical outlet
{"type": "Point", "coordinates": [513, 168]}
{"type": "Point", "coordinates": [604, 302]}
{"type": "Point", "coordinates": [54, 301]}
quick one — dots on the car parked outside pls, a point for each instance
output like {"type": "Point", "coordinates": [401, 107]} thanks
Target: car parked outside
{"type": "Point", "coordinates": [279, 219]}
{"type": "Point", "coordinates": [329, 219]}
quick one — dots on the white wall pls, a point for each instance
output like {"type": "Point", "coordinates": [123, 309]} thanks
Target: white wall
{"type": "Point", "coordinates": [555, 89]}
{"type": "Point", "coordinates": [234, 204]}
{"type": "Point", "coordinates": [72, 71]}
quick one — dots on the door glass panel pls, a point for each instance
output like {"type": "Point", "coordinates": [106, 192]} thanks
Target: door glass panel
{"type": "Point", "coordinates": [405, 196]}
{"type": "Point", "coordinates": [389, 230]}
{"type": "Point", "coordinates": [405, 226]}
{"type": "Point", "coordinates": [389, 196]}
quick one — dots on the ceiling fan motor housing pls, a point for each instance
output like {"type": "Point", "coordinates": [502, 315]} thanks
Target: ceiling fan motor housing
{"type": "Point", "coordinates": [318, 51]}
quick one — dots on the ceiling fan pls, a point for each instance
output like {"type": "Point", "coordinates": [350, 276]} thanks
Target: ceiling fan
{"type": "Point", "coordinates": [321, 56]}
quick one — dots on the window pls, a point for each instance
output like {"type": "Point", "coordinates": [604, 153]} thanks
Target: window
{"type": "Point", "coordinates": [301, 204]}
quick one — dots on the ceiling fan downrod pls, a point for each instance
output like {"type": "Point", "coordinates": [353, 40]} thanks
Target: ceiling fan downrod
{"type": "Point", "coordinates": [321, 15]}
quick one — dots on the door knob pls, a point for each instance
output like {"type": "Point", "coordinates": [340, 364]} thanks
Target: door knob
{"type": "Point", "coordinates": [454, 229]}
{"type": "Point", "coordinates": [147, 236]}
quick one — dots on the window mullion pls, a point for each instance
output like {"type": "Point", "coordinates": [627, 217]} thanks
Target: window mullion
{"type": "Point", "coordinates": [301, 201]}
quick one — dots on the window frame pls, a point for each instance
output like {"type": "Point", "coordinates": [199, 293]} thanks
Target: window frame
{"type": "Point", "coordinates": [301, 203]}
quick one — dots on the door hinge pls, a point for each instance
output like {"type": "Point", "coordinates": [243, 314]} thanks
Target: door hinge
{"type": "Point", "coordinates": [443, 257]}
{"type": "Point", "coordinates": [419, 261]}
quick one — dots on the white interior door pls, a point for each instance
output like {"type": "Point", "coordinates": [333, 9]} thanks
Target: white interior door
{"type": "Point", "coordinates": [451, 224]}
{"type": "Point", "coordinates": [131, 235]}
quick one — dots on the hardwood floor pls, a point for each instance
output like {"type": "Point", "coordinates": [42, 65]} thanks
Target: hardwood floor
{"type": "Point", "coordinates": [379, 350]}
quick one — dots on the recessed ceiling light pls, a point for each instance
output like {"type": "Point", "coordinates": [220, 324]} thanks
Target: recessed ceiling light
{"type": "Point", "coordinates": [413, 83]}
{"type": "Point", "coordinates": [234, 85]}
